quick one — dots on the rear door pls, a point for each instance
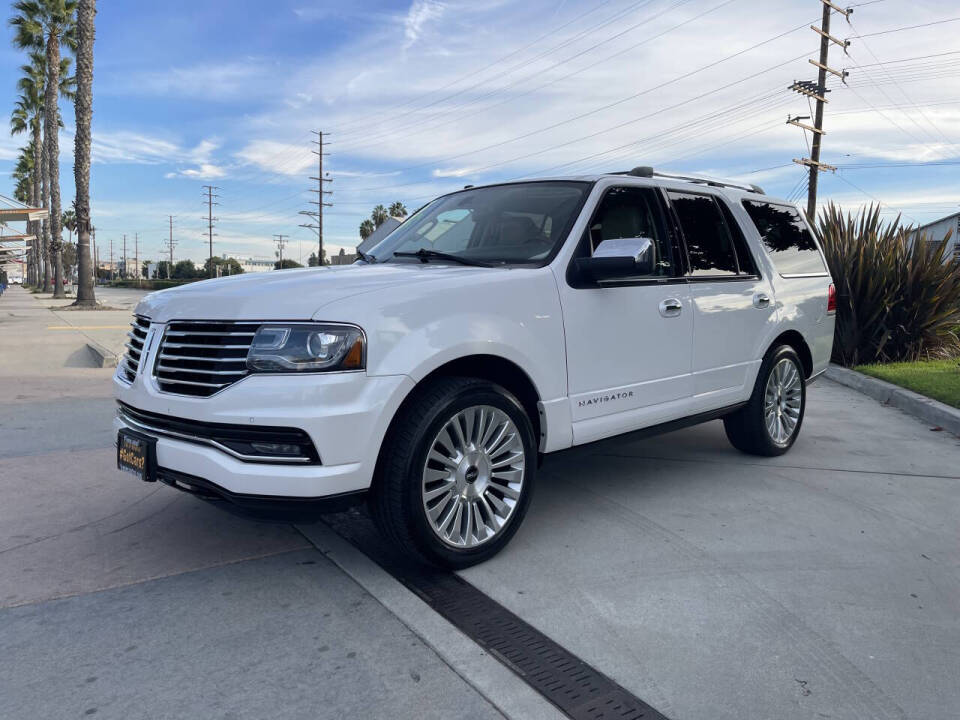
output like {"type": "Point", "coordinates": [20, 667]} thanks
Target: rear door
{"type": "Point", "coordinates": [733, 304]}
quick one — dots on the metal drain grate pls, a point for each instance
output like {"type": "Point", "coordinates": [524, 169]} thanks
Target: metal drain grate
{"type": "Point", "coordinates": [573, 686]}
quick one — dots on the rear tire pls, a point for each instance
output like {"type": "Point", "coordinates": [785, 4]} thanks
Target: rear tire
{"type": "Point", "coordinates": [456, 472]}
{"type": "Point", "coordinates": [770, 422]}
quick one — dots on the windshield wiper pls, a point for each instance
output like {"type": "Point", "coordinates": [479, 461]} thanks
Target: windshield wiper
{"type": "Point", "coordinates": [425, 255]}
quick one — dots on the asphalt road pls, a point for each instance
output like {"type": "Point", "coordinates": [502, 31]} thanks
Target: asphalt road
{"type": "Point", "coordinates": [823, 584]}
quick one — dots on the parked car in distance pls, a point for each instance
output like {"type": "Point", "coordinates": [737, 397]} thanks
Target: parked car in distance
{"type": "Point", "coordinates": [495, 325]}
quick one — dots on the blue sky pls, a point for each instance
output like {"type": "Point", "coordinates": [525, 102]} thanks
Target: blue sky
{"type": "Point", "coordinates": [422, 97]}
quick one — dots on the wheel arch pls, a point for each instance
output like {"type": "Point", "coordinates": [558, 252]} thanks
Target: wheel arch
{"type": "Point", "coordinates": [795, 340]}
{"type": "Point", "coordinates": [495, 369]}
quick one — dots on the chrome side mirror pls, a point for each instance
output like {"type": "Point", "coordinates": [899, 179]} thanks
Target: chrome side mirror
{"type": "Point", "coordinates": [619, 258]}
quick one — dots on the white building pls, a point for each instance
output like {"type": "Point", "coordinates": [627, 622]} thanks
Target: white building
{"type": "Point", "coordinates": [251, 265]}
{"type": "Point", "coordinates": [938, 229]}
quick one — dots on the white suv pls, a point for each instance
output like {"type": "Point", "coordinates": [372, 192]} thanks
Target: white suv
{"type": "Point", "coordinates": [496, 324]}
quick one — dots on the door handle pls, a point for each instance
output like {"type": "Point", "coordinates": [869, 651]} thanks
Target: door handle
{"type": "Point", "coordinates": [761, 300]}
{"type": "Point", "coordinates": [671, 307]}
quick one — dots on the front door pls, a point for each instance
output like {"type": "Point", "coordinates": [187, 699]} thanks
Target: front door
{"type": "Point", "coordinates": [629, 341]}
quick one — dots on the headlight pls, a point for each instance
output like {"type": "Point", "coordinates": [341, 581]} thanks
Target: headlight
{"type": "Point", "coordinates": [280, 347]}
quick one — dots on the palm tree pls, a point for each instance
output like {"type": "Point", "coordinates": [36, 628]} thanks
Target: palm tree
{"type": "Point", "coordinates": [46, 24]}
{"type": "Point", "coordinates": [366, 229]}
{"type": "Point", "coordinates": [398, 210]}
{"type": "Point", "coordinates": [23, 175]}
{"type": "Point", "coordinates": [23, 192]}
{"type": "Point", "coordinates": [83, 107]}
{"type": "Point", "coordinates": [69, 222]}
{"type": "Point", "coordinates": [379, 215]}
{"type": "Point", "coordinates": [28, 116]}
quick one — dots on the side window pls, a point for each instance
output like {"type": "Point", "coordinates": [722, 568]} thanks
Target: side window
{"type": "Point", "coordinates": [710, 245]}
{"type": "Point", "coordinates": [632, 212]}
{"type": "Point", "coordinates": [785, 236]}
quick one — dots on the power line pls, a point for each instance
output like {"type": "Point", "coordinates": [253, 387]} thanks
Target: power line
{"type": "Point", "coordinates": [362, 128]}
{"type": "Point", "coordinates": [867, 166]}
{"type": "Point", "coordinates": [905, 95]}
{"type": "Point", "coordinates": [911, 59]}
{"type": "Point", "coordinates": [606, 107]}
{"type": "Point", "coordinates": [543, 72]}
{"type": "Point", "coordinates": [875, 198]}
{"type": "Point", "coordinates": [908, 27]}
{"type": "Point", "coordinates": [748, 107]}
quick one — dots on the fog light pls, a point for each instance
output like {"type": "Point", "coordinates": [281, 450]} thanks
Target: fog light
{"type": "Point", "coordinates": [276, 448]}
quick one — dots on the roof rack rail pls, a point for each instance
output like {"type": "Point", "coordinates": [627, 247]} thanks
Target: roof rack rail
{"type": "Point", "coordinates": [648, 172]}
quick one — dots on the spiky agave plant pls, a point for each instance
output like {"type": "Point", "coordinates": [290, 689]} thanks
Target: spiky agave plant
{"type": "Point", "coordinates": [898, 297]}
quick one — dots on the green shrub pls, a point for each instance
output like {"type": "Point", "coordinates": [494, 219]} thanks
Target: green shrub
{"type": "Point", "coordinates": [150, 284]}
{"type": "Point", "coordinates": [897, 299]}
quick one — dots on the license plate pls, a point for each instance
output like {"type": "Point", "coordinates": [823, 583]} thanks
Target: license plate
{"type": "Point", "coordinates": [136, 454]}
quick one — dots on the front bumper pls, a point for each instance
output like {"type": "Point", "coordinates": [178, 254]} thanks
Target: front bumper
{"type": "Point", "coordinates": [345, 415]}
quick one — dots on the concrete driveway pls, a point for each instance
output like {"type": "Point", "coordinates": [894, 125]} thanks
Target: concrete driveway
{"type": "Point", "coordinates": [823, 584]}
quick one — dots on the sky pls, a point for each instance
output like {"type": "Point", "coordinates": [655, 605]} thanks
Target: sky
{"type": "Point", "coordinates": [420, 98]}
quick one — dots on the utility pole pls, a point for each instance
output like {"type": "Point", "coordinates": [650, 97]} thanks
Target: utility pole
{"type": "Point", "coordinates": [280, 243]}
{"type": "Point", "coordinates": [111, 259]}
{"type": "Point", "coordinates": [317, 215]}
{"type": "Point", "coordinates": [136, 256]}
{"type": "Point", "coordinates": [170, 245]}
{"type": "Point", "coordinates": [124, 275]}
{"type": "Point", "coordinates": [210, 220]}
{"type": "Point", "coordinates": [818, 92]}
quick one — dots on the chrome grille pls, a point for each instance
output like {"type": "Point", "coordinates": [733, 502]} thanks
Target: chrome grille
{"type": "Point", "coordinates": [202, 358]}
{"type": "Point", "coordinates": [134, 345]}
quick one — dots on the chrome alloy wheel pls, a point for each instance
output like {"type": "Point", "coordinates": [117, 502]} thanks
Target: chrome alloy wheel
{"type": "Point", "coordinates": [473, 476]}
{"type": "Point", "coordinates": [782, 401]}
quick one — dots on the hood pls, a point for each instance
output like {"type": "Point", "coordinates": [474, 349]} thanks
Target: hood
{"type": "Point", "coordinates": [288, 294]}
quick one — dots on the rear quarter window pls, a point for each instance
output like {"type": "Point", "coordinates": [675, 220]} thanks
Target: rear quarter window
{"type": "Point", "coordinates": [786, 238]}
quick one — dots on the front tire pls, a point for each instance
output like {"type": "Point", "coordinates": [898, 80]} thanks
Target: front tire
{"type": "Point", "coordinates": [456, 472]}
{"type": "Point", "coordinates": [770, 422]}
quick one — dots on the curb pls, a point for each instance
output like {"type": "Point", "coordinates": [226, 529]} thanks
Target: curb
{"type": "Point", "coordinates": [510, 695]}
{"type": "Point", "coordinates": [930, 411]}
{"type": "Point", "coordinates": [101, 356]}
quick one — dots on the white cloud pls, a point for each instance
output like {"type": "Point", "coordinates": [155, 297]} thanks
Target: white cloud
{"type": "Point", "coordinates": [208, 81]}
{"type": "Point", "coordinates": [205, 171]}
{"type": "Point", "coordinates": [420, 13]}
{"type": "Point", "coordinates": [299, 100]}
{"type": "Point", "coordinates": [278, 157]}
{"type": "Point", "coordinates": [452, 172]}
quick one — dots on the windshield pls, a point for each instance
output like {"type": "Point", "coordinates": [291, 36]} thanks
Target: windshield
{"type": "Point", "coordinates": [520, 223]}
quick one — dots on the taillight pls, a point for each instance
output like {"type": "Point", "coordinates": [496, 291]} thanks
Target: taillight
{"type": "Point", "coordinates": [832, 299]}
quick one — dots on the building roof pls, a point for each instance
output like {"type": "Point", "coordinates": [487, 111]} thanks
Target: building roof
{"type": "Point", "coordinates": [921, 228]}
{"type": "Point", "coordinates": [15, 211]}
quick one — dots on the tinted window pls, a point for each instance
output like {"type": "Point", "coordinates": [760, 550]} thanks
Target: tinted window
{"type": "Point", "coordinates": [786, 237]}
{"type": "Point", "coordinates": [709, 244]}
{"type": "Point", "coordinates": [630, 212]}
